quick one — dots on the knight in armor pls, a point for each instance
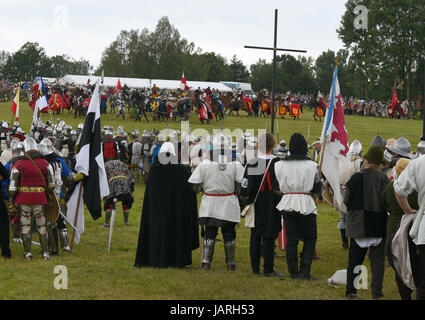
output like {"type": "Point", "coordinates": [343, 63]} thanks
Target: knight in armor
{"type": "Point", "coordinates": [121, 188]}
{"type": "Point", "coordinates": [135, 154]}
{"type": "Point", "coordinates": [281, 150]}
{"type": "Point", "coordinates": [219, 179]}
{"type": "Point", "coordinates": [111, 149]}
{"type": "Point", "coordinates": [61, 173]}
{"type": "Point", "coordinates": [72, 141]}
{"type": "Point", "coordinates": [29, 177]}
{"type": "Point", "coordinates": [19, 134]}
{"type": "Point", "coordinates": [122, 143]}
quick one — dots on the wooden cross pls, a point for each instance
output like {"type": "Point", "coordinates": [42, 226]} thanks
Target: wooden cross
{"type": "Point", "coordinates": [275, 48]}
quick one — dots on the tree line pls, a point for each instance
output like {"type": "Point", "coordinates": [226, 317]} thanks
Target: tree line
{"type": "Point", "coordinates": [388, 54]}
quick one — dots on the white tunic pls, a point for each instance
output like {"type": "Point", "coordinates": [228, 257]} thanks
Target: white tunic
{"type": "Point", "coordinates": [411, 179]}
{"type": "Point", "coordinates": [296, 176]}
{"type": "Point", "coordinates": [215, 181]}
{"type": "Point", "coordinates": [136, 152]}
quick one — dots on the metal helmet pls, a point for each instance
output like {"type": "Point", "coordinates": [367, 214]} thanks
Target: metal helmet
{"type": "Point", "coordinates": [402, 148]}
{"type": "Point", "coordinates": [252, 142]}
{"type": "Point", "coordinates": [108, 133]}
{"type": "Point", "coordinates": [378, 141]}
{"type": "Point", "coordinates": [19, 147]}
{"type": "Point", "coordinates": [421, 148]}
{"type": "Point", "coordinates": [220, 142]}
{"type": "Point", "coordinates": [45, 147]}
{"type": "Point", "coordinates": [356, 148]}
{"type": "Point", "coordinates": [30, 144]}
{"type": "Point", "coordinates": [283, 146]}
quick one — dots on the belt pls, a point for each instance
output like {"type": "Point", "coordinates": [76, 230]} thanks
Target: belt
{"type": "Point", "coordinates": [219, 194]}
{"type": "Point", "coordinates": [306, 193]}
{"type": "Point", "coordinates": [118, 177]}
{"type": "Point", "coordinates": [31, 189]}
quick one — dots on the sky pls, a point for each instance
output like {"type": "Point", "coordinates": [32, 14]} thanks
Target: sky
{"type": "Point", "coordinates": [84, 29]}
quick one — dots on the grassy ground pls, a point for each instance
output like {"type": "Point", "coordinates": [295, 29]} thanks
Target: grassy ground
{"type": "Point", "coordinates": [95, 273]}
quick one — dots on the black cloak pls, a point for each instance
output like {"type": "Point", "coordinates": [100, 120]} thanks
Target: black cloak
{"type": "Point", "coordinates": [168, 227]}
{"type": "Point", "coordinates": [4, 218]}
{"type": "Point", "coordinates": [267, 218]}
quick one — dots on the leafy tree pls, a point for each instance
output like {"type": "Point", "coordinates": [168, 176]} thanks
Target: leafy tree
{"type": "Point", "coordinates": [237, 71]}
{"type": "Point", "coordinates": [27, 63]}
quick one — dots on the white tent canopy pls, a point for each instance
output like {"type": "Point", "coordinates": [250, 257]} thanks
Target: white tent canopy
{"type": "Point", "coordinates": [143, 83]}
{"type": "Point", "coordinates": [107, 81]}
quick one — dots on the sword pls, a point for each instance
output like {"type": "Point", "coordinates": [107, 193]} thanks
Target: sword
{"type": "Point", "coordinates": [66, 219]}
{"type": "Point", "coordinates": [111, 228]}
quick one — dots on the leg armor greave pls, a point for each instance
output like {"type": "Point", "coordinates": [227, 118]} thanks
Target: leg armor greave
{"type": "Point", "coordinates": [64, 240]}
{"type": "Point", "coordinates": [52, 232]}
{"type": "Point", "coordinates": [208, 253]}
{"type": "Point", "coordinates": [108, 214]}
{"type": "Point", "coordinates": [126, 215]}
{"type": "Point", "coordinates": [26, 239]}
{"type": "Point", "coordinates": [44, 241]}
{"type": "Point", "coordinates": [229, 250]}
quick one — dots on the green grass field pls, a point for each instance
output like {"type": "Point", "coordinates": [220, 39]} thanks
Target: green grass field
{"type": "Point", "coordinates": [95, 273]}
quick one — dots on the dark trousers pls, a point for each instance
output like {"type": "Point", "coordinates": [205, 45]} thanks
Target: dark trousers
{"type": "Point", "coordinates": [356, 256]}
{"type": "Point", "coordinates": [299, 227]}
{"type": "Point", "coordinates": [229, 233]}
{"type": "Point", "coordinates": [261, 246]}
{"type": "Point", "coordinates": [417, 260]}
{"type": "Point", "coordinates": [4, 230]}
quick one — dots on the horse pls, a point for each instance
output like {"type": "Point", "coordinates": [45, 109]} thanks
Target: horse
{"type": "Point", "coordinates": [216, 107]}
{"type": "Point", "coordinates": [139, 100]}
{"type": "Point", "coordinates": [184, 107]}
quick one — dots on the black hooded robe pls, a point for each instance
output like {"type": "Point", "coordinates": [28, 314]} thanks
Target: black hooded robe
{"type": "Point", "coordinates": [168, 227]}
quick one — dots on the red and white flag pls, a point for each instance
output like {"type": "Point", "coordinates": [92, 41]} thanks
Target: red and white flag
{"type": "Point", "coordinates": [183, 84]}
{"type": "Point", "coordinates": [335, 135]}
{"type": "Point", "coordinates": [118, 87]}
{"type": "Point", "coordinates": [15, 104]}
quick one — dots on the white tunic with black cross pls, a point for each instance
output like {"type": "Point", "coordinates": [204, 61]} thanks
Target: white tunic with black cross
{"type": "Point", "coordinates": [219, 200]}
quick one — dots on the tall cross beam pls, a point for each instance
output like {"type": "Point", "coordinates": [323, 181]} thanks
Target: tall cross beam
{"type": "Point", "coordinates": [275, 49]}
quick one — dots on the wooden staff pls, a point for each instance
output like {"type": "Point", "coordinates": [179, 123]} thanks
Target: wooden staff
{"type": "Point", "coordinates": [76, 213]}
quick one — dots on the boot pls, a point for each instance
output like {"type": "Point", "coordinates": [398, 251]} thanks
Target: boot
{"type": "Point", "coordinates": [64, 240]}
{"type": "Point", "coordinates": [108, 214]}
{"type": "Point", "coordinates": [292, 261]}
{"type": "Point", "coordinates": [26, 240]}
{"type": "Point", "coordinates": [344, 239]}
{"type": "Point", "coordinates": [53, 238]}
{"type": "Point", "coordinates": [306, 261]}
{"type": "Point", "coordinates": [44, 242]}
{"type": "Point", "coordinates": [126, 214]}
{"type": "Point", "coordinates": [229, 250]}
{"type": "Point", "coordinates": [208, 253]}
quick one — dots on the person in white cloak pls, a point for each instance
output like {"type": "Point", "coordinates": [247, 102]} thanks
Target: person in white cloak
{"type": "Point", "coordinates": [411, 179]}
{"type": "Point", "coordinates": [219, 178]}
